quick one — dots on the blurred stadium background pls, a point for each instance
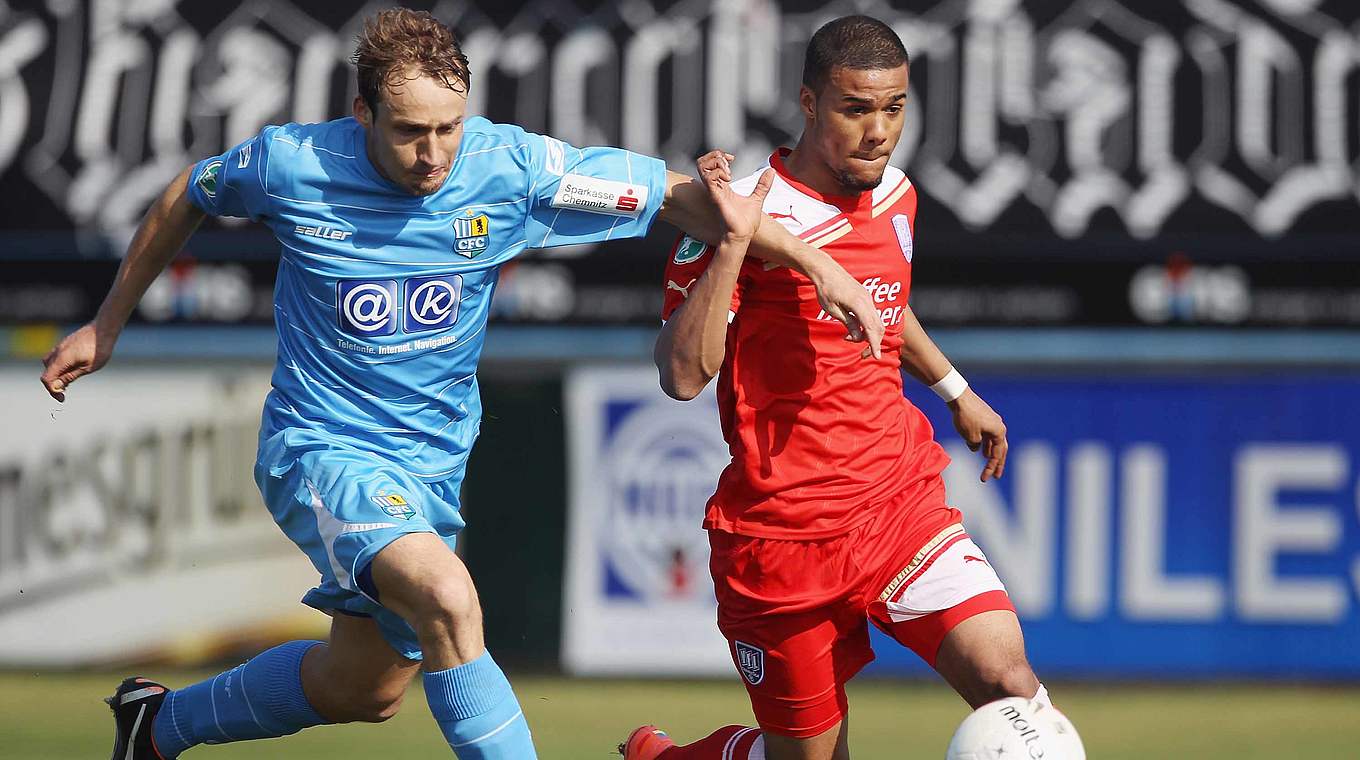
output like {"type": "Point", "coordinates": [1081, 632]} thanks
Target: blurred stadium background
{"type": "Point", "coordinates": [1138, 237]}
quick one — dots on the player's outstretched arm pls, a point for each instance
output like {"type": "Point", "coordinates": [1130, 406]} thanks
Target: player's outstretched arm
{"type": "Point", "coordinates": [691, 345]}
{"type": "Point", "coordinates": [162, 233]}
{"type": "Point", "coordinates": [978, 425]}
{"type": "Point", "coordinates": [689, 207]}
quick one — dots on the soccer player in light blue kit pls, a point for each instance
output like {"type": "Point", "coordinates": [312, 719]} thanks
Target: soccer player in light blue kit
{"type": "Point", "coordinates": [393, 226]}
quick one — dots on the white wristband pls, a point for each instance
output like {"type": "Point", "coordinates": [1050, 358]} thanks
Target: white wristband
{"type": "Point", "coordinates": [951, 386]}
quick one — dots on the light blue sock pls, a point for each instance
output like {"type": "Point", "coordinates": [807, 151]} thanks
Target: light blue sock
{"type": "Point", "coordinates": [258, 699]}
{"type": "Point", "coordinates": [478, 713]}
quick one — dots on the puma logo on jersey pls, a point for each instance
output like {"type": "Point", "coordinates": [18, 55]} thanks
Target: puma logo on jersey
{"type": "Point", "coordinates": [777, 215]}
{"type": "Point", "coordinates": [673, 285]}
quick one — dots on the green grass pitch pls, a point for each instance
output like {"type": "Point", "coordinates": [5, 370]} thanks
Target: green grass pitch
{"type": "Point", "coordinates": [60, 716]}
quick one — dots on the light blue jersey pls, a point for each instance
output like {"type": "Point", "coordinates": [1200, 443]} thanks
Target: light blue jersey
{"type": "Point", "coordinates": [381, 307]}
{"type": "Point", "coordinates": [382, 297]}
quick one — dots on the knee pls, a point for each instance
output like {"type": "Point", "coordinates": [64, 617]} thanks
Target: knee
{"type": "Point", "coordinates": [449, 602]}
{"type": "Point", "coordinates": [1006, 677]}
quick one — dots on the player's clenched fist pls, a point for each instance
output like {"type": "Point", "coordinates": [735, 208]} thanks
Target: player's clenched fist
{"type": "Point", "coordinates": [77, 355]}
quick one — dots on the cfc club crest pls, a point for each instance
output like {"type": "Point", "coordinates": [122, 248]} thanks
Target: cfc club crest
{"type": "Point", "coordinates": [751, 662]}
{"type": "Point", "coordinates": [471, 234]}
{"type": "Point", "coordinates": [395, 505]}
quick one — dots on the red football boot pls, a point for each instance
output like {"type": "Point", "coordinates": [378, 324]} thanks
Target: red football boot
{"type": "Point", "coordinates": [645, 743]}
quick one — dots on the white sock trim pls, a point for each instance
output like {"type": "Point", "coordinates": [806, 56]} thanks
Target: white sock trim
{"type": "Point", "coordinates": [1041, 697]}
{"type": "Point", "coordinates": [490, 733]}
{"type": "Point", "coordinates": [729, 751]}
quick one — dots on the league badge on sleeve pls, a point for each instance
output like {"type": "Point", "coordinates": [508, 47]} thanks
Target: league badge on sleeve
{"type": "Point", "coordinates": [471, 235]}
{"type": "Point", "coordinates": [689, 250]}
{"type": "Point", "coordinates": [750, 661]}
{"type": "Point", "coordinates": [207, 179]}
{"type": "Point", "coordinates": [555, 157]}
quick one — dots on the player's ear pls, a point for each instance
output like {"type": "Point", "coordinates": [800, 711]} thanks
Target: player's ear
{"type": "Point", "coordinates": [807, 100]}
{"type": "Point", "coordinates": [361, 112]}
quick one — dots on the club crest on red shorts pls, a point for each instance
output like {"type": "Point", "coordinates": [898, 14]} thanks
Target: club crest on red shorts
{"type": "Point", "coordinates": [751, 662]}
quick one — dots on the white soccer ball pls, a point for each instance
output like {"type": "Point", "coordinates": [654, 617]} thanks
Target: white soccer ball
{"type": "Point", "coordinates": [1016, 729]}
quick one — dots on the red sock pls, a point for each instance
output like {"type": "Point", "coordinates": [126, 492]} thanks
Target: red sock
{"type": "Point", "coordinates": [727, 743]}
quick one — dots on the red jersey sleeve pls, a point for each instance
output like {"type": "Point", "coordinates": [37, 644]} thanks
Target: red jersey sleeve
{"type": "Point", "coordinates": [686, 264]}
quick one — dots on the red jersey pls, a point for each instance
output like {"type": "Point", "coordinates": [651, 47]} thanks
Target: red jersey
{"type": "Point", "coordinates": [819, 437]}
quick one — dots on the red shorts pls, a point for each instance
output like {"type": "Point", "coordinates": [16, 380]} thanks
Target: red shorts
{"type": "Point", "coordinates": [795, 613]}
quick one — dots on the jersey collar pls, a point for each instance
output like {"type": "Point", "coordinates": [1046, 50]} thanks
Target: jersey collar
{"type": "Point", "coordinates": [846, 203]}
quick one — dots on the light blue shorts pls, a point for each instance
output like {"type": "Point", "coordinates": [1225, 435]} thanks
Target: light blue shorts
{"type": "Point", "coordinates": [342, 506]}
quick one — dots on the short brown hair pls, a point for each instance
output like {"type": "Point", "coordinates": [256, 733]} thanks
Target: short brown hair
{"type": "Point", "coordinates": [397, 40]}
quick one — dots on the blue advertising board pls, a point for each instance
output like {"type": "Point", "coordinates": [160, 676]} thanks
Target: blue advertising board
{"type": "Point", "coordinates": [1171, 526]}
{"type": "Point", "coordinates": [1174, 525]}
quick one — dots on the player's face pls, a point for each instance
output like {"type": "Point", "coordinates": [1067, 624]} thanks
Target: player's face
{"type": "Point", "coordinates": [414, 137]}
{"type": "Point", "coordinates": [855, 122]}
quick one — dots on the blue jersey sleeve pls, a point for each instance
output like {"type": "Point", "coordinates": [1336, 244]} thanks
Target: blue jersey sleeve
{"type": "Point", "coordinates": [232, 184]}
{"type": "Point", "coordinates": [589, 195]}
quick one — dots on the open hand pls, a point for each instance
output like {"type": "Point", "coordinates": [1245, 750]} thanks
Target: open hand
{"type": "Point", "coordinates": [741, 214]}
{"type": "Point", "coordinates": [845, 298]}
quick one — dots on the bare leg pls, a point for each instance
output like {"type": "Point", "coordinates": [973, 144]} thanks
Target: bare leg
{"type": "Point", "coordinates": [983, 658]}
{"type": "Point", "coordinates": [833, 744]}
{"type": "Point", "coordinates": [422, 580]}
{"type": "Point", "coordinates": [356, 676]}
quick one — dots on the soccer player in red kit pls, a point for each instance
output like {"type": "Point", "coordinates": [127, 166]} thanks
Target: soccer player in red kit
{"type": "Point", "coordinates": [832, 513]}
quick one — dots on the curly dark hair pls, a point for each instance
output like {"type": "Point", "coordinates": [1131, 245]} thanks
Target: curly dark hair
{"type": "Point", "coordinates": [400, 44]}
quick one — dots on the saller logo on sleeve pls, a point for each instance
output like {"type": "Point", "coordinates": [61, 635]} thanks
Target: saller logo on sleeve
{"type": "Point", "coordinates": [601, 196]}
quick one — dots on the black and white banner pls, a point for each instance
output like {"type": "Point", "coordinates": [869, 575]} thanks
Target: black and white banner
{"type": "Point", "coordinates": [1070, 130]}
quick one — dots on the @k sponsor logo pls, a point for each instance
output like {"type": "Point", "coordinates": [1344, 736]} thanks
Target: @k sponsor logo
{"type": "Point", "coordinates": [367, 308]}
{"type": "Point", "coordinates": [432, 302]}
